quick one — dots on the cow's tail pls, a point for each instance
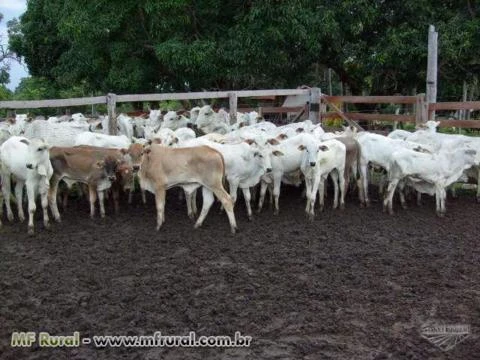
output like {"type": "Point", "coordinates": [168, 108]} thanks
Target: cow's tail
{"type": "Point", "coordinates": [224, 177]}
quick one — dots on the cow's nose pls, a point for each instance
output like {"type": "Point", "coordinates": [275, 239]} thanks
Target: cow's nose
{"type": "Point", "coordinates": [29, 166]}
{"type": "Point", "coordinates": [112, 178]}
{"type": "Point", "coordinates": [136, 167]}
{"type": "Point", "coordinates": [190, 125]}
{"type": "Point", "coordinates": [312, 163]}
{"type": "Point", "coordinates": [269, 170]}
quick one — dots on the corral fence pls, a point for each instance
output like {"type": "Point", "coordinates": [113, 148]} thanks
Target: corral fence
{"type": "Point", "coordinates": [318, 107]}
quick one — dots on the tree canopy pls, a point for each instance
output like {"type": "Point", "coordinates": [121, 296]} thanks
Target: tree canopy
{"type": "Point", "coordinates": [128, 46]}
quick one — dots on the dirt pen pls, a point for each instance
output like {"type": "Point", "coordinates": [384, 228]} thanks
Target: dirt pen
{"type": "Point", "coordinates": [352, 284]}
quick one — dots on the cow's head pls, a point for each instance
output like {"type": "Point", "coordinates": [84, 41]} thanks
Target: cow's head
{"type": "Point", "coordinates": [133, 156]}
{"type": "Point", "coordinates": [38, 157]}
{"type": "Point", "coordinates": [310, 150]}
{"type": "Point", "coordinates": [109, 167]}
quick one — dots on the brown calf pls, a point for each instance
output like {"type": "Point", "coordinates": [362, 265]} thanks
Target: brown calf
{"type": "Point", "coordinates": [163, 167]}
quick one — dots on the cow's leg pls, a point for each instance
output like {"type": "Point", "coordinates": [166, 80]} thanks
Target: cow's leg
{"type": "Point", "coordinates": [342, 183]}
{"type": "Point", "coordinates": [194, 203]}
{"type": "Point", "coordinates": [419, 198]}
{"type": "Point", "coordinates": [364, 179]}
{"type": "Point", "coordinates": [190, 202]}
{"type": "Point", "coordinates": [247, 197]}
{"type": "Point", "coordinates": [277, 182]}
{"type": "Point", "coordinates": [443, 209]}
{"type": "Point", "coordinates": [31, 207]}
{"type": "Point", "coordinates": [208, 200]}
{"type": "Point", "coordinates": [437, 202]}
{"type": "Point", "coordinates": [6, 190]}
{"type": "Point", "coordinates": [44, 200]}
{"type": "Point", "coordinates": [263, 191]}
{"type": "Point", "coordinates": [160, 204]}
{"type": "Point", "coordinates": [92, 195]}
{"type": "Point", "coordinates": [101, 202]}
{"type": "Point", "coordinates": [334, 177]}
{"type": "Point", "coordinates": [144, 197]}
{"type": "Point", "coordinates": [19, 196]}
{"type": "Point", "coordinates": [52, 197]}
{"type": "Point", "coordinates": [321, 193]}
{"type": "Point", "coordinates": [130, 196]}
{"type": "Point", "coordinates": [227, 203]}
{"type": "Point", "coordinates": [388, 201]}
{"type": "Point", "coordinates": [308, 190]}
{"type": "Point", "coordinates": [311, 196]}
{"type": "Point", "coordinates": [401, 193]}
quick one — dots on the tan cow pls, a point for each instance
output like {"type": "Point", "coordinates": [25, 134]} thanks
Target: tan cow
{"type": "Point", "coordinates": [96, 167]}
{"type": "Point", "coordinates": [162, 168]}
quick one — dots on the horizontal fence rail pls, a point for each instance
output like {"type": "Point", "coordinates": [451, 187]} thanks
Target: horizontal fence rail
{"type": "Point", "coordinates": [314, 108]}
{"type": "Point", "coordinates": [371, 99]}
{"type": "Point", "coordinates": [371, 117]}
{"type": "Point", "coordinates": [30, 104]}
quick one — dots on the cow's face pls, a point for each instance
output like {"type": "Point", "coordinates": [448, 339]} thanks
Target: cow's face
{"type": "Point", "coordinates": [263, 158]}
{"type": "Point", "coordinates": [38, 158]}
{"type": "Point", "coordinates": [310, 152]}
{"type": "Point", "coordinates": [133, 156]}
{"type": "Point", "coordinates": [109, 168]}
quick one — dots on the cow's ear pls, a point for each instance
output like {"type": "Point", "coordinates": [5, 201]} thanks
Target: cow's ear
{"type": "Point", "coordinates": [273, 141]}
{"type": "Point", "coordinates": [249, 141]}
{"type": "Point", "coordinates": [323, 148]}
{"type": "Point", "coordinates": [100, 164]}
{"type": "Point", "coordinates": [299, 130]}
{"type": "Point", "coordinates": [175, 140]}
{"type": "Point", "coordinates": [301, 147]}
{"type": "Point", "coordinates": [277, 153]}
{"type": "Point", "coordinates": [25, 141]}
{"type": "Point", "coordinates": [124, 151]}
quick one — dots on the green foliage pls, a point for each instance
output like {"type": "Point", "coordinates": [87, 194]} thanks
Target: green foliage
{"type": "Point", "coordinates": [126, 46]}
{"type": "Point", "coordinates": [33, 88]}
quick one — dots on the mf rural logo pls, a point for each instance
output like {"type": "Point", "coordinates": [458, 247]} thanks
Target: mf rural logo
{"type": "Point", "coordinates": [446, 337]}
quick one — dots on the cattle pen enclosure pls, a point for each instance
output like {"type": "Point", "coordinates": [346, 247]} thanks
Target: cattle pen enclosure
{"type": "Point", "coordinates": [350, 284]}
{"type": "Point", "coordinates": [318, 107]}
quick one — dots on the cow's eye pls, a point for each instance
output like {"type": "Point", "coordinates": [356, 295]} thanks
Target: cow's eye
{"type": "Point", "coordinates": [39, 149]}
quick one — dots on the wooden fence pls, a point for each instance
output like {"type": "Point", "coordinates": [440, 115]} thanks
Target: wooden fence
{"type": "Point", "coordinates": [112, 99]}
{"type": "Point", "coordinates": [314, 109]}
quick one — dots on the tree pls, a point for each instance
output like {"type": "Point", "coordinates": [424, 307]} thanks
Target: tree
{"type": "Point", "coordinates": [127, 46]}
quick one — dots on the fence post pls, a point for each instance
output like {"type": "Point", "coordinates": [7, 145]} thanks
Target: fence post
{"type": "Point", "coordinates": [432, 69]}
{"type": "Point", "coordinates": [420, 109]}
{"type": "Point", "coordinates": [232, 103]}
{"type": "Point", "coordinates": [314, 108]}
{"type": "Point", "coordinates": [112, 116]}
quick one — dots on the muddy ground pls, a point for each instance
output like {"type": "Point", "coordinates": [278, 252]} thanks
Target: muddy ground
{"type": "Point", "coordinates": [352, 284]}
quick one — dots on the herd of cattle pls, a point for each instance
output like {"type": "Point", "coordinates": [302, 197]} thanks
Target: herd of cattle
{"type": "Point", "coordinates": [163, 151]}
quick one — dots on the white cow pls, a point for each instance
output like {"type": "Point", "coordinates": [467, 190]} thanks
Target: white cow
{"type": "Point", "coordinates": [29, 163]}
{"type": "Point", "coordinates": [171, 120]}
{"type": "Point", "coordinates": [125, 126]}
{"type": "Point", "coordinates": [244, 166]}
{"type": "Point", "coordinates": [209, 121]}
{"type": "Point", "coordinates": [378, 149]}
{"type": "Point", "coordinates": [61, 134]}
{"type": "Point", "coordinates": [102, 140]}
{"type": "Point", "coordinates": [329, 159]}
{"type": "Point", "coordinates": [427, 173]}
{"type": "Point", "coordinates": [288, 159]}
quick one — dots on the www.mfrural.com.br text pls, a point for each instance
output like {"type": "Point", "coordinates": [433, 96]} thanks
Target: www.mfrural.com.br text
{"type": "Point", "coordinates": [47, 340]}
